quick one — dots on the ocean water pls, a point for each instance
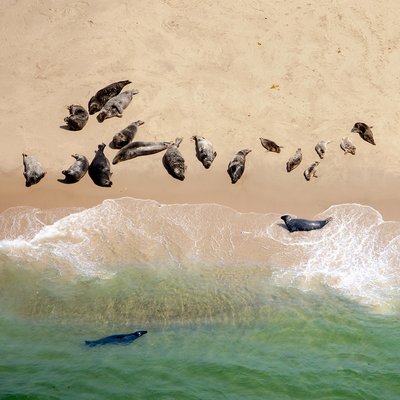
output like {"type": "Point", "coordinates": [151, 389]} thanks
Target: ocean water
{"type": "Point", "coordinates": [235, 306]}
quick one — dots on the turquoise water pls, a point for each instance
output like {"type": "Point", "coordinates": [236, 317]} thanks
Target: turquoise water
{"type": "Point", "coordinates": [246, 315]}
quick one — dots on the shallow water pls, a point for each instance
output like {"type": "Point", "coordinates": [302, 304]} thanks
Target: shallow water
{"type": "Point", "coordinates": [235, 306]}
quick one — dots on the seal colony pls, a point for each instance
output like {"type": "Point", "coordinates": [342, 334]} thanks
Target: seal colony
{"type": "Point", "coordinates": [111, 102]}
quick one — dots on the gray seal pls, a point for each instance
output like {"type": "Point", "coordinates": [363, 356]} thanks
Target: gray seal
{"type": "Point", "coordinates": [321, 147]}
{"type": "Point", "coordinates": [311, 171]}
{"type": "Point", "coordinates": [77, 118]}
{"type": "Point", "coordinates": [297, 224]}
{"type": "Point", "coordinates": [124, 338]}
{"type": "Point", "coordinates": [294, 161]}
{"type": "Point", "coordinates": [347, 146]}
{"type": "Point", "coordinates": [99, 168]}
{"type": "Point", "coordinates": [124, 137]}
{"type": "Point", "coordinates": [364, 131]}
{"type": "Point", "coordinates": [137, 149]}
{"type": "Point", "coordinates": [97, 102]}
{"type": "Point", "coordinates": [116, 105]}
{"type": "Point", "coordinates": [204, 151]}
{"type": "Point", "coordinates": [173, 161]}
{"type": "Point", "coordinates": [33, 171]}
{"type": "Point", "coordinates": [237, 165]}
{"type": "Point", "coordinates": [270, 145]}
{"type": "Point", "coordinates": [77, 170]}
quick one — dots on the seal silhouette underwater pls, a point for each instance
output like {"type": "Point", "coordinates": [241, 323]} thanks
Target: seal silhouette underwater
{"type": "Point", "coordinates": [298, 224]}
{"type": "Point", "coordinates": [123, 338]}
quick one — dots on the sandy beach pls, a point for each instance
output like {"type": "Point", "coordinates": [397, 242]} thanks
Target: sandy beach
{"type": "Point", "coordinates": [232, 72]}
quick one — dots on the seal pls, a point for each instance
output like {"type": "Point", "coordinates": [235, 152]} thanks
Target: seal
{"type": "Point", "coordinates": [78, 117]}
{"type": "Point", "coordinates": [270, 145]}
{"type": "Point", "coordinates": [33, 171]}
{"type": "Point", "coordinates": [99, 168]}
{"type": "Point", "coordinates": [311, 171]}
{"type": "Point", "coordinates": [124, 137]}
{"type": "Point", "coordinates": [97, 102]}
{"type": "Point", "coordinates": [137, 149]}
{"type": "Point", "coordinates": [237, 165]}
{"type": "Point", "coordinates": [321, 147]}
{"type": "Point", "coordinates": [116, 105]}
{"type": "Point", "coordinates": [173, 161]}
{"type": "Point", "coordinates": [77, 170]}
{"type": "Point", "coordinates": [364, 131]}
{"type": "Point", "coordinates": [124, 338]}
{"type": "Point", "coordinates": [294, 161]}
{"type": "Point", "coordinates": [297, 224]}
{"type": "Point", "coordinates": [347, 146]}
{"type": "Point", "coordinates": [204, 151]}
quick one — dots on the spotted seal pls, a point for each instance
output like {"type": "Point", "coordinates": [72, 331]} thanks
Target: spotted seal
{"type": "Point", "coordinates": [204, 151]}
{"type": "Point", "coordinates": [294, 161]}
{"type": "Point", "coordinates": [116, 105]}
{"type": "Point", "coordinates": [173, 161]}
{"type": "Point", "coordinates": [297, 224]}
{"type": "Point", "coordinates": [270, 145]}
{"type": "Point", "coordinates": [97, 102]}
{"type": "Point", "coordinates": [124, 137]}
{"type": "Point", "coordinates": [137, 149]}
{"type": "Point", "coordinates": [347, 146]}
{"type": "Point", "coordinates": [77, 170]}
{"type": "Point", "coordinates": [77, 118]}
{"type": "Point", "coordinates": [99, 168]}
{"type": "Point", "coordinates": [311, 171]}
{"type": "Point", "coordinates": [364, 131]}
{"type": "Point", "coordinates": [237, 165]}
{"type": "Point", "coordinates": [33, 171]}
{"type": "Point", "coordinates": [321, 148]}
{"type": "Point", "coordinates": [124, 338]}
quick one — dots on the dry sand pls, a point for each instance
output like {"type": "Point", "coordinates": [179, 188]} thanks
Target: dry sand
{"type": "Point", "coordinates": [206, 68]}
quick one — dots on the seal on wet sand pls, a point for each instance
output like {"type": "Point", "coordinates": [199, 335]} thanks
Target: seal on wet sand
{"type": "Point", "coordinates": [124, 137]}
{"type": "Point", "coordinates": [116, 105]}
{"type": "Point", "coordinates": [97, 102]}
{"type": "Point", "coordinates": [294, 161]}
{"type": "Point", "coordinates": [311, 171]}
{"type": "Point", "coordinates": [364, 131]}
{"type": "Point", "coordinates": [77, 170]}
{"type": "Point", "coordinates": [237, 165]}
{"type": "Point", "coordinates": [297, 224]}
{"type": "Point", "coordinates": [173, 161]}
{"type": "Point", "coordinates": [204, 151]}
{"type": "Point", "coordinates": [347, 146]}
{"type": "Point", "coordinates": [124, 338]}
{"type": "Point", "coordinates": [321, 147]}
{"type": "Point", "coordinates": [137, 149]}
{"type": "Point", "coordinates": [270, 145]}
{"type": "Point", "coordinates": [78, 117]}
{"type": "Point", "coordinates": [33, 171]}
{"type": "Point", "coordinates": [99, 168]}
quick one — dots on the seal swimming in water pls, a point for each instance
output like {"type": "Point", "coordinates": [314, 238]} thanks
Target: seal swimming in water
{"type": "Point", "coordinates": [311, 171]}
{"type": "Point", "coordinates": [364, 131]}
{"type": "Point", "coordinates": [78, 117]}
{"type": "Point", "coordinates": [124, 137]}
{"type": "Point", "coordinates": [33, 171]}
{"type": "Point", "coordinates": [237, 165]}
{"type": "Point", "coordinates": [116, 105]}
{"type": "Point", "coordinates": [97, 102]}
{"type": "Point", "coordinates": [124, 338]}
{"type": "Point", "coordinates": [136, 149]}
{"type": "Point", "coordinates": [294, 161]}
{"type": "Point", "coordinates": [173, 161]}
{"type": "Point", "coordinates": [297, 224]}
{"type": "Point", "coordinates": [321, 147]}
{"type": "Point", "coordinates": [347, 146]}
{"type": "Point", "coordinates": [270, 145]}
{"type": "Point", "coordinates": [77, 170]}
{"type": "Point", "coordinates": [204, 151]}
{"type": "Point", "coordinates": [99, 168]}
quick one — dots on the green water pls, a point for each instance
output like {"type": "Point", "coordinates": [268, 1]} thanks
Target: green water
{"type": "Point", "coordinates": [275, 343]}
